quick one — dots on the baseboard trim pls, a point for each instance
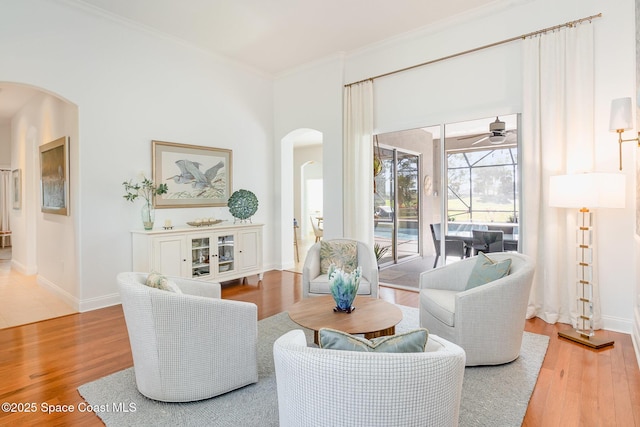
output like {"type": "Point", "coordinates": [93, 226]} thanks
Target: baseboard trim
{"type": "Point", "coordinates": [635, 336]}
{"type": "Point", "coordinates": [617, 324]}
{"type": "Point", "coordinates": [77, 304]}
{"type": "Point", "coordinates": [23, 269]}
{"type": "Point", "coordinates": [287, 267]}
{"type": "Point", "coordinates": [58, 291]}
{"type": "Point", "coordinates": [99, 302]}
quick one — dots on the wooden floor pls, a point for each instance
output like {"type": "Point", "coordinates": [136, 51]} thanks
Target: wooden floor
{"type": "Point", "coordinates": [42, 364]}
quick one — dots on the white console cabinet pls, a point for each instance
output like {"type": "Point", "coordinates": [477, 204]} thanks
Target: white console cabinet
{"type": "Point", "coordinates": [216, 253]}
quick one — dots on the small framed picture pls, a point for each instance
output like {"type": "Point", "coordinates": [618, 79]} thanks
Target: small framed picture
{"type": "Point", "coordinates": [196, 176]}
{"type": "Point", "coordinates": [54, 176]}
{"type": "Point", "coordinates": [16, 188]}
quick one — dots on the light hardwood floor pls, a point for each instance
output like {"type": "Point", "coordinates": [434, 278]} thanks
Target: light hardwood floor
{"type": "Point", "coordinates": [45, 362]}
{"type": "Point", "coordinates": [23, 301]}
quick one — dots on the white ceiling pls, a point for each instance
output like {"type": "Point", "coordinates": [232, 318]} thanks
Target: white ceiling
{"type": "Point", "coordinates": [277, 35]}
{"type": "Point", "coordinates": [271, 36]}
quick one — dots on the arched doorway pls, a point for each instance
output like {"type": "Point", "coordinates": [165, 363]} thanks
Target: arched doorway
{"type": "Point", "coordinates": [35, 117]}
{"type": "Point", "coordinates": [310, 204]}
{"type": "Point", "coordinates": [301, 191]}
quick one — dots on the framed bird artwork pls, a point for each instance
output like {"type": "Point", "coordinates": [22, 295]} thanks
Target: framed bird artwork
{"type": "Point", "coordinates": [196, 176]}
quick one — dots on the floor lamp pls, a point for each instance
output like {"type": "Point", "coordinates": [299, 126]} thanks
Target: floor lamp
{"type": "Point", "coordinates": [586, 192]}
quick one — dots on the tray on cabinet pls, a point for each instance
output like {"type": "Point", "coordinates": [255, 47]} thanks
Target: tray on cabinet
{"type": "Point", "coordinates": [203, 223]}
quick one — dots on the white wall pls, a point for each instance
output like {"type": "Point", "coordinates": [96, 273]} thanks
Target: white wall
{"type": "Point", "coordinates": [487, 83]}
{"type": "Point", "coordinates": [636, 317]}
{"type": "Point", "coordinates": [131, 87]}
{"type": "Point", "coordinates": [311, 98]}
{"type": "Point", "coordinates": [5, 144]}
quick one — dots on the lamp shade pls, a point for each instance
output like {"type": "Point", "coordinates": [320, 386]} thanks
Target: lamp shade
{"type": "Point", "coordinates": [587, 190]}
{"type": "Point", "coordinates": [621, 114]}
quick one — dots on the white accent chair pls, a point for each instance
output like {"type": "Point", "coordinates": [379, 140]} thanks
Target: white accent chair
{"type": "Point", "coordinates": [188, 346]}
{"type": "Point", "coordinates": [316, 284]}
{"type": "Point", "coordinates": [321, 388]}
{"type": "Point", "coordinates": [486, 321]}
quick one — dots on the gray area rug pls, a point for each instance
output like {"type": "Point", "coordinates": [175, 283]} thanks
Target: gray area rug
{"type": "Point", "coordinates": [491, 396]}
{"type": "Point", "coordinates": [406, 275]}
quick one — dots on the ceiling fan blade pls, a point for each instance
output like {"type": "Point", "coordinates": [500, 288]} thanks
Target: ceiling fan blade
{"type": "Point", "coordinates": [480, 140]}
{"type": "Point", "coordinates": [471, 136]}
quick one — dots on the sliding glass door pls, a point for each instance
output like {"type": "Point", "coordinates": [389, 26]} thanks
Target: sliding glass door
{"type": "Point", "coordinates": [397, 204]}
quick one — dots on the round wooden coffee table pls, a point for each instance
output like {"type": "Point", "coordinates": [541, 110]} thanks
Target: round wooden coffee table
{"type": "Point", "coordinates": [372, 317]}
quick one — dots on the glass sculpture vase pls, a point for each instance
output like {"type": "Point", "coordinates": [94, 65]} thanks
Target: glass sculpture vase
{"type": "Point", "coordinates": [344, 287]}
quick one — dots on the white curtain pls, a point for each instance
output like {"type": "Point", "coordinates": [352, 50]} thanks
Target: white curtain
{"type": "Point", "coordinates": [557, 138]}
{"type": "Point", "coordinates": [5, 199]}
{"type": "Point", "coordinates": [358, 162]}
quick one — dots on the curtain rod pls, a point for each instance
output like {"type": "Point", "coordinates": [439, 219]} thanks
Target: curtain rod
{"type": "Point", "coordinates": [512, 39]}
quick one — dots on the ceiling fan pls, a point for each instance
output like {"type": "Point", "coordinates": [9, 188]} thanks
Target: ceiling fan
{"type": "Point", "coordinates": [497, 134]}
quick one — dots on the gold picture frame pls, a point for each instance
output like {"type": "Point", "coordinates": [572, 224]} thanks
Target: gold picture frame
{"type": "Point", "coordinates": [196, 176]}
{"type": "Point", "coordinates": [54, 176]}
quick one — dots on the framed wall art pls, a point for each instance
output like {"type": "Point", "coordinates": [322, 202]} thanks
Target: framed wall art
{"type": "Point", "coordinates": [16, 188]}
{"type": "Point", "coordinates": [54, 176]}
{"type": "Point", "coordinates": [196, 176]}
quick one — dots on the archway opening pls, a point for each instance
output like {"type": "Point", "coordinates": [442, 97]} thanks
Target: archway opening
{"type": "Point", "coordinates": [302, 192]}
{"type": "Point", "coordinates": [31, 117]}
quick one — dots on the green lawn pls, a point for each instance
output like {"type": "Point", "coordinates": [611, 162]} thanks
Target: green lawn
{"type": "Point", "coordinates": [483, 211]}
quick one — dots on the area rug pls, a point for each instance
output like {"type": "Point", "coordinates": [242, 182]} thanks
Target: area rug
{"type": "Point", "coordinates": [406, 275]}
{"type": "Point", "coordinates": [491, 396]}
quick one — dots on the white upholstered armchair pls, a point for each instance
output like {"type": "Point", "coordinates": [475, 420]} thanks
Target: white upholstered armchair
{"type": "Point", "coordinates": [319, 387]}
{"type": "Point", "coordinates": [315, 283]}
{"type": "Point", "coordinates": [486, 321]}
{"type": "Point", "coordinates": [191, 345]}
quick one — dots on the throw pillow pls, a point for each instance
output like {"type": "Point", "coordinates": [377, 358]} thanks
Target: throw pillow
{"type": "Point", "coordinates": [486, 270]}
{"type": "Point", "coordinates": [159, 281]}
{"type": "Point", "coordinates": [344, 254]}
{"type": "Point", "coordinates": [410, 342]}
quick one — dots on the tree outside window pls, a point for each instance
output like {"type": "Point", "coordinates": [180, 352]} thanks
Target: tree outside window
{"type": "Point", "coordinates": [482, 186]}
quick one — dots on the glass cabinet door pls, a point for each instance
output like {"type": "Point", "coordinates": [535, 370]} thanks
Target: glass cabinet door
{"type": "Point", "coordinates": [226, 253]}
{"type": "Point", "coordinates": [200, 257]}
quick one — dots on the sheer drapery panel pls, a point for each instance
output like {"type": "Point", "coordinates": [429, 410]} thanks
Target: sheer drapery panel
{"type": "Point", "coordinates": [557, 138]}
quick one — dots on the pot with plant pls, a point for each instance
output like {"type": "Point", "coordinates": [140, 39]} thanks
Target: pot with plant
{"type": "Point", "coordinates": [147, 190]}
{"type": "Point", "coordinates": [380, 252]}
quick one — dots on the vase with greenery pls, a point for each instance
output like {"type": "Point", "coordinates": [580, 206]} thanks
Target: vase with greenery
{"type": "Point", "coordinates": [344, 287]}
{"type": "Point", "coordinates": [147, 190]}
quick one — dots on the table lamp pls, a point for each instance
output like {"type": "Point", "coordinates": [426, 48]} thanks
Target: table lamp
{"type": "Point", "coordinates": [586, 192]}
